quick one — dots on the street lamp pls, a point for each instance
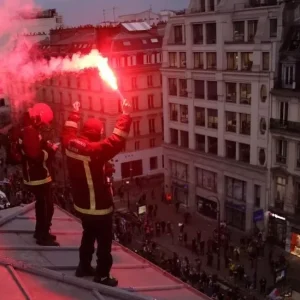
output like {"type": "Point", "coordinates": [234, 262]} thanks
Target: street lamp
{"type": "Point", "coordinates": [219, 231]}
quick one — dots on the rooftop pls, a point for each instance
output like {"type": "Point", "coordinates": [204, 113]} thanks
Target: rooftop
{"type": "Point", "coordinates": [28, 271]}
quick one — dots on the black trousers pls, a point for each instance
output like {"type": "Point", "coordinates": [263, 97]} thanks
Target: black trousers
{"type": "Point", "coordinates": [44, 208]}
{"type": "Point", "coordinates": [100, 229]}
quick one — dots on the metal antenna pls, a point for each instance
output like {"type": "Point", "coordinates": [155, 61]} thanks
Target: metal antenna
{"type": "Point", "coordinates": [114, 13]}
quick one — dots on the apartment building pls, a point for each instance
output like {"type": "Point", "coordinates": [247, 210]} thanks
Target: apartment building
{"type": "Point", "coordinates": [218, 67]}
{"type": "Point", "coordinates": [284, 156]}
{"type": "Point", "coordinates": [134, 52]}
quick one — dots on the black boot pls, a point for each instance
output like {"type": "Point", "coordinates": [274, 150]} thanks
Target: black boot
{"type": "Point", "coordinates": [51, 236]}
{"type": "Point", "coordinates": [46, 241]}
{"type": "Point", "coordinates": [82, 271]}
{"type": "Point", "coordinates": [110, 281]}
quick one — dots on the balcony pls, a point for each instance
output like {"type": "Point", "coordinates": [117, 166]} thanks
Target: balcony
{"type": "Point", "coordinates": [285, 126]}
{"type": "Point", "coordinates": [256, 3]}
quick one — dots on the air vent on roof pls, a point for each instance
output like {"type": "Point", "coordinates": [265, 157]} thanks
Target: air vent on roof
{"type": "Point", "coordinates": [154, 40]}
{"type": "Point", "coordinates": [126, 43]}
{"type": "Point", "coordinates": [137, 26]}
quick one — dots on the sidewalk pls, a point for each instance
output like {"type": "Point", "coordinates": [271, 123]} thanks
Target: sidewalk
{"type": "Point", "coordinates": [168, 213]}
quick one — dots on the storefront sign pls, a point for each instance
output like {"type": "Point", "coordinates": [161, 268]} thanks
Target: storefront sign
{"type": "Point", "coordinates": [277, 216]}
{"type": "Point", "coordinates": [258, 215]}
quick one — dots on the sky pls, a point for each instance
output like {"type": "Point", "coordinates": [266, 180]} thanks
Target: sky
{"type": "Point", "coordinates": [76, 12]}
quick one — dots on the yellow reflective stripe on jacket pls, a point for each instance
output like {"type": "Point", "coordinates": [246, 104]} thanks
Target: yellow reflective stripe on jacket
{"type": "Point", "coordinates": [71, 124]}
{"type": "Point", "coordinates": [77, 156]}
{"type": "Point", "coordinates": [94, 212]}
{"type": "Point", "coordinates": [38, 182]}
{"type": "Point", "coordinates": [88, 175]}
{"type": "Point", "coordinates": [120, 133]}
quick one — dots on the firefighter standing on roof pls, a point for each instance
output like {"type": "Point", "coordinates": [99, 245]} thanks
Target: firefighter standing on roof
{"type": "Point", "coordinates": [87, 156]}
{"type": "Point", "coordinates": [36, 163]}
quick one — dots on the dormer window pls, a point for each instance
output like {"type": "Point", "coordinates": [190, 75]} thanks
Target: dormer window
{"type": "Point", "coordinates": [288, 74]}
{"type": "Point", "coordinates": [126, 43]}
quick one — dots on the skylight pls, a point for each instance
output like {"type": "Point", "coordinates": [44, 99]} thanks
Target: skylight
{"type": "Point", "coordinates": [154, 40]}
{"type": "Point", "coordinates": [144, 42]}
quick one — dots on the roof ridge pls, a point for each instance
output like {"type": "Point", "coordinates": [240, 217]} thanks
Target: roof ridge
{"type": "Point", "coordinates": [123, 294]}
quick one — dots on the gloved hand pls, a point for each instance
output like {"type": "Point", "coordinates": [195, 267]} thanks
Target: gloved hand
{"type": "Point", "coordinates": [53, 146]}
{"type": "Point", "coordinates": [126, 107]}
{"type": "Point", "coordinates": [76, 106]}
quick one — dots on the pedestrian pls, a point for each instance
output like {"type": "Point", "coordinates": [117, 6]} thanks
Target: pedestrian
{"type": "Point", "coordinates": [163, 226]}
{"type": "Point", "coordinates": [86, 156]}
{"type": "Point", "coordinates": [185, 239]}
{"type": "Point", "coordinates": [263, 284]}
{"type": "Point", "coordinates": [177, 206]}
{"type": "Point", "coordinates": [37, 156]}
{"type": "Point", "coordinates": [155, 210]}
{"type": "Point", "coordinates": [198, 236]}
{"type": "Point", "coordinates": [202, 247]}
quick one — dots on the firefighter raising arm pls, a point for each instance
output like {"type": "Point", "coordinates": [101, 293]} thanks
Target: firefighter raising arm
{"type": "Point", "coordinates": [111, 146]}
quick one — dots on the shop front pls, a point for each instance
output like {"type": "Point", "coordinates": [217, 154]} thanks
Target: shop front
{"type": "Point", "coordinates": [277, 229]}
{"type": "Point", "coordinates": [207, 208]}
{"type": "Point", "coordinates": [295, 241]}
{"type": "Point", "coordinates": [236, 215]}
{"type": "Point", "coordinates": [180, 193]}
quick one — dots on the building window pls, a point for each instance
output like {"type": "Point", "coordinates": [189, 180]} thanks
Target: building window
{"type": "Point", "coordinates": [137, 145]}
{"type": "Point", "coordinates": [184, 114]}
{"type": "Point", "coordinates": [178, 34]}
{"type": "Point", "coordinates": [206, 179]}
{"type": "Point", "coordinates": [150, 81]}
{"type": "Point", "coordinates": [200, 116]}
{"type": "Point", "coordinates": [244, 153]}
{"type": "Point", "coordinates": [298, 156]}
{"type": "Point", "coordinates": [172, 86]}
{"type": "Point", "coordinates": [151, 125]}
{"type": "Point", "coordinates": [174, 136]}
{"type": "Point", "coordinates": [61, 97]}
{"type": "Point", "coordinates": [212, 117]}
{"type": "Point", "coordinates": [266, 61]}
{"type": "Point", "coordinates": [235, 189]}
{"type": "Point", "coordinates": [133, 83]}
{"type": "Point", "coordinates": [182, 59]}
{"type": "Point", "coordinates": [281, 151]}
{"type": "Point", "coordinates": [90, 101]}
{"type": "Point", "coordinates": [230, 92]}
{"type": "Point", "coordinates": [230, 147]}
{"type": "Point", "coordinates": [247, 61]}
{"type": "Point", "coordinates": [173, 59]}
{"type": "Point", "coordinates": [245, 124]}
{"type": "Point", "coordinates": [211, 59]}
{"type": "Point", "coordinates": [288, 76]}
{"type": "Point", "coordinates": [283, 113]}
{"type": "Point", "coordinates": [297, 194]}
{"type": "Point", "coordinates": [230, 121]}
{"type": "Point", "coordinates": [211, 33]}
{"type": "Point", "coordinates": [273, 27]}
{"type": "Point", "coordinates": [245, 93]}
{"type": "Point", "coordinates": [198, 33]}
{"type": "Point", "coordinates": [150, 101]}
{"type": "Point", "coordinates": [212, 144]}
{"type": "Point", "coordinates": [70, 98]}
{"type": "Point", "coordinates": [184, 136]}
{"type": "Point", "coordinates": [257, 195]}
{"type": "Point", "coordinates": [212, 90]}
{"type": "Point", "coordinates": [179, 170]}
{"type": "Point", "coordinates": [198, 60]}
{"type": "Point", "coordinates": [153, 163]}
{"type": "Point", "coordinates": [252, 28]}
{"type": "Point", "coordinates": [200, 142]}
{"type": "Point", "coordinates": [135, 103]}
{"type": "Point", "coordinates": [239, 31]}
{"type": "Point", "coordinates": [199, 89]}
{"type": "Point", "coordinates": [183, 88]}
{"type": "Point", "coordinates": [152, 143]}
{"type": "Point", "coordinates": [136, 128]}
{"type": "Point", "coordinates": [232, 61]}
{"type": "Point", "coordinates": [132, 168]}
{"type": "Point", "coordinates": [173, 112]}
{"type": "Point", "coordinates": [280, 191]}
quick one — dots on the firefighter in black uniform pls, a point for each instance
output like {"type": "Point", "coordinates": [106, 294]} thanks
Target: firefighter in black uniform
{"type": "Point", "coordinates": [87, 156]}
{"type": "Point", "coordinates": [36, 164]}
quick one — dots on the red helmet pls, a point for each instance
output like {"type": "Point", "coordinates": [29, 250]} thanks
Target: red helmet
{"type": "Point", "coordinates": [43, 112]}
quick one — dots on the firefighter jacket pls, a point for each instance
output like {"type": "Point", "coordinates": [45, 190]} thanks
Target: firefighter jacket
{"type": "Point", "coordinates": [36, 156]}
{"type": "Point", "coordinates": [86, 162]}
